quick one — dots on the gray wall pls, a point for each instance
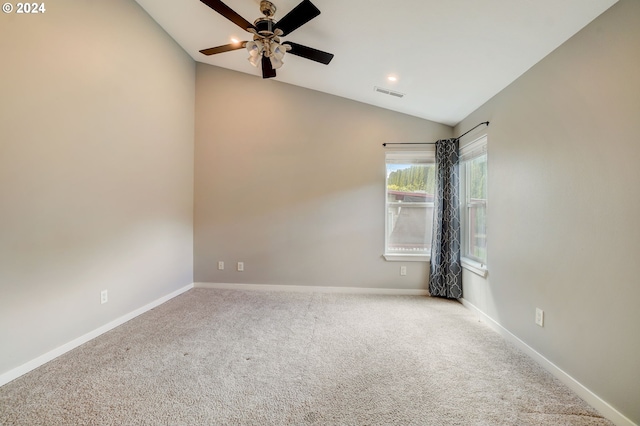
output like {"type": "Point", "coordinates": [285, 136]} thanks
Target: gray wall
{"type": "Point", "coordinates": [291, 182]}
{"type": "Point", "coordinates": [564, 207]}
{"type": "Point", "coordinates": [96, 171]}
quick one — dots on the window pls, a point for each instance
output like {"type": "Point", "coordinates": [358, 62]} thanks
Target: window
{"type": "Point", "coordinates": [473, 209]}
{"type": "Point", "coordinates": [410, 186]}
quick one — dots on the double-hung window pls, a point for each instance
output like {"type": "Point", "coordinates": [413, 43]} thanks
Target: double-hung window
{"type": "Point", "coordinates": [410, 185]}
{"type": "Point", "coordinates": [473, 209]}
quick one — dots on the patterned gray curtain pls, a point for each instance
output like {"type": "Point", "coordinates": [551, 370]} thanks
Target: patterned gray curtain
{"type": "Point", "coordinates": [446, 270]}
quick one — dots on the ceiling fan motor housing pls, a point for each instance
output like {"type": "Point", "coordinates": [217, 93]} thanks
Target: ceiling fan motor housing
{"type": "Point", "coordinates": [265, 26]}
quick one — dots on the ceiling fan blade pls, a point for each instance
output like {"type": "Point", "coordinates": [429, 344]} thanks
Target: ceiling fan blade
{"type": "Point", "coordinates": [267, 68]}
{"type": "Point", "coordinates": [309, 53]}
{"type": "Point", "coordinates": [298, 16]}
{"type": "Point", "coordinates": [222, 49]}
{"type": "Point", "coordinates": [228, 13]}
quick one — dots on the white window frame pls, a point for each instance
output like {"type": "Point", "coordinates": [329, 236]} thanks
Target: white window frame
{"type": "Point", "coordinates": [422, 156]}
{"type": "Point", "coordinates": [473, 149]}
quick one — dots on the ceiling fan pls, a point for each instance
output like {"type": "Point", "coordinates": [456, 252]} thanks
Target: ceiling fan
{"type": "Point", "coordinates": [265, 48]}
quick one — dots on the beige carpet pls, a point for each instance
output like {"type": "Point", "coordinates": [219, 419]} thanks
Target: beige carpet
{"type": "Point", "coordinates": [224, 357]}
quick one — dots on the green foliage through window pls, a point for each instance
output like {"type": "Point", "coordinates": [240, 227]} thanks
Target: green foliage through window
{"type": "Point", "coordinates": [413, 178]}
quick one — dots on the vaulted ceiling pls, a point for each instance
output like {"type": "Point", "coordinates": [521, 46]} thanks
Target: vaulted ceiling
{"type": "Point", "coordinates": [448, 56]}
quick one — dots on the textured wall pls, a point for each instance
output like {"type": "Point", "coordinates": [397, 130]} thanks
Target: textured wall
{"type": "Point", "coordinates": [96, 171]}
{"type": "Point", "coordinates": [563, 207]}
{"type": "Point", "coordinates": [291, 182]}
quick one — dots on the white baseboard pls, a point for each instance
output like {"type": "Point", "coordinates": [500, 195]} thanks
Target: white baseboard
{"type": "Point", "coordinates": [583, 392]}
{"type": "Point", "coordinates": [42, 359]}
{"type": "Point", "coordinates": [315, 289]}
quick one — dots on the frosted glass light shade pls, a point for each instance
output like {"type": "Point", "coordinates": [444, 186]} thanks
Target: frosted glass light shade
{"type": "Point", "coordinates": [275, 62]}
{"type": "Point", "coordinates": [255, 60]}
{"type": "Point", "coordinates": [255, 48]}
{"type": "Point", "coordinates": [278, 50]}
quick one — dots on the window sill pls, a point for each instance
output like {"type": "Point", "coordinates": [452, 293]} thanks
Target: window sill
{"type": "Point", "coordinates": [392, 257]}
{"type": "Point", "coordinates": [475, 267]}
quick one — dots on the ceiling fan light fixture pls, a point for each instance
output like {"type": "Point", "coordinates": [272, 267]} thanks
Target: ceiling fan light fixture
{"type": "Point", "coordinates": [277, 50]}
{"type": "Point", "coordinates": [275, 62]}
{"type": "Point", "coordinates": [255, 60]}
{"type": "Point", "coordinates": [255, 48]}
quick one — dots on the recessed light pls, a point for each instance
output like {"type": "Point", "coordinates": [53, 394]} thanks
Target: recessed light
{"type": "Point", "coordinates": [392, 78]}
{"type": "Point", "coordinates": [235, 40]}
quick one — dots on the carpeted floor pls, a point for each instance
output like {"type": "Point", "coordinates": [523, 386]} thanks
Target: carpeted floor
{"type": "Point", "coordinates": [225, 357]}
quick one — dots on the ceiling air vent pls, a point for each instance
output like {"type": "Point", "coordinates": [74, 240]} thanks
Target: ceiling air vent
{"type": "Point", "coordinates": [388, 92]}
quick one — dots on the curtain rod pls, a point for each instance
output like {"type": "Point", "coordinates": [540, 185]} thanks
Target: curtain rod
{"type": "Point", "coordinates": [433, 143]}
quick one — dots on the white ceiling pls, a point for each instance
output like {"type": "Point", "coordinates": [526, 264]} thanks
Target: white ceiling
{"type": "Point", "coordinates": [450, 56]}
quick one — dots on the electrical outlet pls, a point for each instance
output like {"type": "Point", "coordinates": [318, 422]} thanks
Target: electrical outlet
{"type": "Point", "coordinates": [403, 270]}
{"type": "Point", "coordinates": [240, 266]}
{"type": "Point", "coordinates": [540, 317]}
{"type": "Point", "coordinates": [221, 265]}
{"type": "Point", "coordinates": [104, 297]}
